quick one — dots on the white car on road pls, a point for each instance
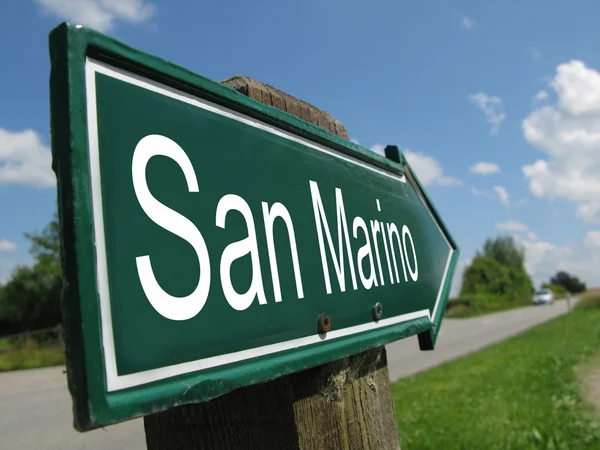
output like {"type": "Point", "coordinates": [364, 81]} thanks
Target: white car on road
{"type": "Point", "coordinates": [543, 296]}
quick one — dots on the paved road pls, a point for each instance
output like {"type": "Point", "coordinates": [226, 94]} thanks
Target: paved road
{"type": "Point", "coordinates": [35, 407]}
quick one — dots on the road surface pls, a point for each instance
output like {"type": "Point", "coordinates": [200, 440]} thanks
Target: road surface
{"type": "Point", "coordinates": [35, 406]}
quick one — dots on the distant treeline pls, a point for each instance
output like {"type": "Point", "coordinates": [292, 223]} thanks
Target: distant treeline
{"type": "Point", "coordinates": [31, 298]}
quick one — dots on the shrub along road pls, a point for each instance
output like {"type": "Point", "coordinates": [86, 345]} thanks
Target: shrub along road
{"type": "Point", "coordinates": [35, 407]}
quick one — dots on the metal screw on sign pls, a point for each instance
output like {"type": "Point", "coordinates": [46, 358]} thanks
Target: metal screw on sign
{"type": "Point", "coordinates": [377, 311]}
{"type": "Point", "coordinates": [324, 323]}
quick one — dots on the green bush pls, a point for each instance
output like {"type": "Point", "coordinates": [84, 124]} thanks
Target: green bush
{"type": "Point", "coordinates": [31, 355]}
{"type": "Point", "coordinates": [487, 277]}
{"type": "Point", "coordinates": [467, 305]}
{"type": "Point", "coordinates": [475, 305]}
{"type": "Point", "coordinates": [460, 301]}
{"type": "Point", "coordinates": [521, 285]}
{"type": "Point", "coordinates": [498, 273]}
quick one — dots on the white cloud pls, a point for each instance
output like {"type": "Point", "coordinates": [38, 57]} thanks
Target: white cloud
{"type": "Point", "coordinates": [578, 88]}
{"type": "Point", "coordinates": [355, 141]}
{"type": "Point", "coordinates": [568, 133]}
{"type": "Point", "coordinates": [502, 195]}
{"type": "Point", "coordinates": [467, 23]}
{"type": "Point", "coordinates": [3, 281]}
{"type": "Point", "coordinates": [428, 169]}
{"type": "Point", "coordinates": [492, 107]}
{"type": "Point", "coordinates": [592, 239]}
{"type": "Point", "coordinates": [378, 148]}
{"type": "Point", "coordinates": [480, 193]}
{"type": "Point", "coordinates": [7, 246]}
{"type": "Point", "coordinates": [484, 168]}
{"type": "Point", "coordinates": [535, 53]}
{"type": "Point", "coordinates": [589, 212]}
{"type": "Point", "coordinates": [543, 259]}
{"type": "Point", "coordinates": [512, 225]}
{"type": "Point", "coordinates": [24, 159]}
{"type": "Point", "coordinates": [540, 96]}
{"type": "Point", "coordinates": [99, 14]}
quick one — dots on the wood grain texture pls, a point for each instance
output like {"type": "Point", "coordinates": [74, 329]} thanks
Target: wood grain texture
{"type": "Point", "coordinates": [343, 405]}
{"type": "Point", "coordinates": [270, 96]}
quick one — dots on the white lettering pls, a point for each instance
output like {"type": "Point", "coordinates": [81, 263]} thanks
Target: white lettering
{"type": "Point", "coordinates": [235, 251]}
{"type": "Point", "coordinates": [393, 230]}
{"type": "Point", "coordinates": [342, 228]}
{"type": "Point", "coordinates": [171, 307]}
{"type": "Point", "coordinates": [387, 253]}
{"type": "Point", "coordinates": [413, 274]}
{"type": "Point", "coordinates": [278, 210]}
{"type": "Point", "coordinates": [363, 252]}
{"type": "Point", "coordinates": [374, 231]}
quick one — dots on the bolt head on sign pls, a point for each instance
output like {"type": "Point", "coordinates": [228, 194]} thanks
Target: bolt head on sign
{"type": "Point", "coordinates": [203, 233]}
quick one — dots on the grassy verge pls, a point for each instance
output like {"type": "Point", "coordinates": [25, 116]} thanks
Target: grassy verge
{"type": "Point", "coordinates": [4, 343]}
{"type": "Point", "coordinates": [461, 311]}
{"type": "Point", "coordinates": [523, 394]}
{"type": "Point", "coordinates": [590, 300]}
{"type": "Point", "coordinates": [31, 355]}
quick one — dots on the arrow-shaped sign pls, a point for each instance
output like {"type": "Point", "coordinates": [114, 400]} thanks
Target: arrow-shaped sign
{"type": "Point", "coordinates": [212, 242]}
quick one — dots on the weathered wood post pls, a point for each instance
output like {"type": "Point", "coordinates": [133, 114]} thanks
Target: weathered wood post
{"type": "Point", "coordinates": [343, 405]}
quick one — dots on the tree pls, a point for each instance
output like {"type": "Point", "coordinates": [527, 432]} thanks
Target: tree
{"type": "Point", "coordinates": [569, 282]}
{"type": "Point", "coordinates": [485, 276]}
{"type": "Point", "coordinates": [31, 297]}
{"type": "Point", "coordinates": [498, 270]}
{"type": "Point", "coordinates": [504, 250]}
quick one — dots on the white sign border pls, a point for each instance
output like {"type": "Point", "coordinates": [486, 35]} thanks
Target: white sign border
{"type": "Point", "coordinates": [116, 382]}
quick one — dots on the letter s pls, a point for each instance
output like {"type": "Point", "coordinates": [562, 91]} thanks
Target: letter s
{"type": "Point", "coordinates": [174, 308]}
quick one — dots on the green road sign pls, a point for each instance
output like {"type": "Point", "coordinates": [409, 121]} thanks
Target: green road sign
{"type": "Point", "coordinates": [211, 242]}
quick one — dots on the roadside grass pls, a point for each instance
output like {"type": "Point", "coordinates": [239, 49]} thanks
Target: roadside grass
{"type": "Point", "coordinates": [31, 355]}
{"type": "Point", "coordinates": [523, 393]}
{"type": "Point", "coordinates": [589, 374]}
{"type": "Point", "coordinates": [463, 311]}
{"type": "Point", "coordinates": [4, 343]}
{"type": "Point", "coordinates": [590, 300]}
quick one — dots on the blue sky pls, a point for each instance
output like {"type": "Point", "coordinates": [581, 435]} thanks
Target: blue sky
{"type": "Point", "coordinates": [510, 84]}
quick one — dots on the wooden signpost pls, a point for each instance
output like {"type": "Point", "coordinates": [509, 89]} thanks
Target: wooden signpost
{"type": "Point", "coordinates": [212, 243]}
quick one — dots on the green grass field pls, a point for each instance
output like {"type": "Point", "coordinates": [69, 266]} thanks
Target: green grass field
{"type": "Point", "coordinates": [521, 394]}
{"type": "Point", "coordinates": [30, 355]}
